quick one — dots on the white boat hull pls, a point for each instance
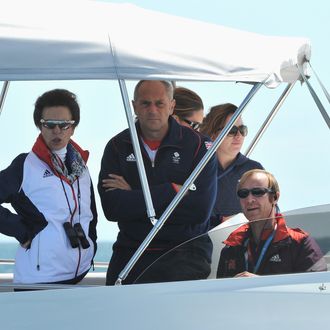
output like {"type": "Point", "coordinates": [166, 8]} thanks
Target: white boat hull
{"type": "Point", "coordinates": [269, 302]}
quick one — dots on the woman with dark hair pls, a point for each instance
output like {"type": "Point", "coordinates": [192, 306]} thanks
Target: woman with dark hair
{"type": "Point", "coordinates": [189, 108]}
{"type": "Point", "coordinates": [51, 191]}
{"type": "Point", "coordinates": [231, 163]}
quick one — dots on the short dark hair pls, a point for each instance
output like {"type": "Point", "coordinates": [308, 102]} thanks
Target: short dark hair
{"type": "Point", "coordinates": [54, 98]}
{"type": "Point", "coordinates": [186, 102]}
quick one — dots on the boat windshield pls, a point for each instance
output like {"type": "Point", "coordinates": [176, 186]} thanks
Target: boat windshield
{"type": "Point", "coordinates": [287, 251]}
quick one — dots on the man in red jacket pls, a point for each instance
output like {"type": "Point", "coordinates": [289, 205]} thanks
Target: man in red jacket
{"type": "Point", "coordinates": [266, 245]}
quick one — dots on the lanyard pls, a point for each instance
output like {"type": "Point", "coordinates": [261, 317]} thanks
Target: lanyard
{"type": "Point", "coordinates": [262, 253]}
{"type": "Point", "coordinates": [74, 196]}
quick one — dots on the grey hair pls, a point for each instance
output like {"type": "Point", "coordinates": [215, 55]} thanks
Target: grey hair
{"type": "Point", "coordinates": [168, 86]}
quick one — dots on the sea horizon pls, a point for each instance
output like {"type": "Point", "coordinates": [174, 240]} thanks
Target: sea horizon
{"type": "Point", "coordinates": [8, 251]}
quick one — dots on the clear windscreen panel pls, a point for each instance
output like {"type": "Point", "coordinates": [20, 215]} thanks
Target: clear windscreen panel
{"type": "Point", "coordinates": [288, 250]}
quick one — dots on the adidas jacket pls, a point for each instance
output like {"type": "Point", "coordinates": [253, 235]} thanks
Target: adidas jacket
{"type": "Point", "coordinates": [36, 193]}
{"type": "Point", "coordinates": [291, 251]}
{"type": "Point", "coordinates": [177, 156]}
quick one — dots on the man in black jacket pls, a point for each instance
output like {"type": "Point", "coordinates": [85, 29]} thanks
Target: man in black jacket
{"type": "Point", "coordinates": [170, 153]}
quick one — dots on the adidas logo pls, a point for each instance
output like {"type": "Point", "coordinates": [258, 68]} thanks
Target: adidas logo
{"type": "Point", "coordinates": [275, 258]}
{"type": "Point", "coordinates": [47, 173]}
{"type": "Point", "coordinates": [131, 158]}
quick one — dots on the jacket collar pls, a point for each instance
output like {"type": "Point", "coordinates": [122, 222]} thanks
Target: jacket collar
{"type": "Point", "coordinates": [239, 236]}
{"type": "Point", "coordinates": [239, 160]}
{"type": "Point", "coordinates": [42, 151]}
{"type": "Point", "coordinates": [173, 137]}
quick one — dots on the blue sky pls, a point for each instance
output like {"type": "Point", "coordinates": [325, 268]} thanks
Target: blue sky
{"type": "Point", "coordinates": [296, 146]}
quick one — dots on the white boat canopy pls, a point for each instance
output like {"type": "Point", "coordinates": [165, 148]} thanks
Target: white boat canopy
{"type": "Point", "coordinates": [55, 40]}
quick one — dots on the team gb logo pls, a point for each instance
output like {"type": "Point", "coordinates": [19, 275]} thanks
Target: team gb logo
{"type": "Point", "coordinates": [176, 158]}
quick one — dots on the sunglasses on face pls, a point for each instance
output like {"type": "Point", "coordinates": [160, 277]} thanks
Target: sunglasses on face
{"type": "Point", "coordinates": [193, 124]}
{"type": "Point", "coordinates": [62, 124]}
{"type": "Point", "coordinates": [235, 129]}
{"type": "Point", "coordinates": [256, 192]}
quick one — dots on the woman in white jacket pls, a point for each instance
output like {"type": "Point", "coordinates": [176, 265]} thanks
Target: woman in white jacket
{"type": "Point", "coordinates": [51, 191]}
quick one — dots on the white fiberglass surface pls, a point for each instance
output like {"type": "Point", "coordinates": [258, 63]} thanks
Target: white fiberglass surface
{"type": "Point", "coordinates": [199, 258]}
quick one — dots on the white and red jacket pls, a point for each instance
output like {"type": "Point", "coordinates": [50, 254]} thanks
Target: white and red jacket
{"type": "Point", "coordinates": [41, 199]}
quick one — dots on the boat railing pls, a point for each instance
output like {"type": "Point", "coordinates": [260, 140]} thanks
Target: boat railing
{"type": "Point", "coordinates": [97, 264]}
{"type": "Point", "coordinates": [96, 278]}
{"type": "Point", "coordinates": [205, 248]}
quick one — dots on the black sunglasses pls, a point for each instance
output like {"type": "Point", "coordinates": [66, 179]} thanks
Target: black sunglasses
{"type": "Point", "coordinates": [62, 124]}
{"type": "Point", "coordinates": [256, 192]}
{"type": "Point", "coordinates": [193, 124]}
{"type": "Point", "coordinates": [235, 129]}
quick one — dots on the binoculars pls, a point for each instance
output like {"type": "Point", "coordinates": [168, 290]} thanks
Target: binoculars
{"type": "Point", "coordinates": [76, 235]}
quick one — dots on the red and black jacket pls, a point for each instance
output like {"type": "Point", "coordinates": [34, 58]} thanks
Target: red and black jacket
{"type": "Point", "coordinates": [291, 251]}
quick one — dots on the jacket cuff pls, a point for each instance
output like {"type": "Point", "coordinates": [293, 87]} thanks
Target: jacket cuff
{"type": "Point", "coordinates": [175, 187]}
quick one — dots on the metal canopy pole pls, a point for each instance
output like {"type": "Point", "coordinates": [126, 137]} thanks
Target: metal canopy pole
{"type": "Point", "coordinates": [137, 152]}
{"type": "Point", "coordinates": [269, 119]}
{"type": "Point", "coordinates": [3, 94]}
{"type": "Point", "coordinates": [316, 99]}
{"type": "Point", "coordinates": [135, 141]}
{"type": "Point", "coordinates": [123, 274]}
